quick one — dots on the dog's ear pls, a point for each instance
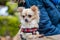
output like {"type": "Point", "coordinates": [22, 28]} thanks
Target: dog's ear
{"type": "Point", "coordinates": [34, 8]}
{"type": "Point", "coordinates": [20, 9]}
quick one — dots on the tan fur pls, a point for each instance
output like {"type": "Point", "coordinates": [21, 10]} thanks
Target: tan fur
{"type": "Point", "coordinates": [34, 8]}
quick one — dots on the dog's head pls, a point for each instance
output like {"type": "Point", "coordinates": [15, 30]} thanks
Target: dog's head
{"type": "Point", "coordinates": [29, 14]}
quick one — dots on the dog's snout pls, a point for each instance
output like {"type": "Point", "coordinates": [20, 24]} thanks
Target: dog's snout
{"type": "Point", "coordinates": [26, 20]}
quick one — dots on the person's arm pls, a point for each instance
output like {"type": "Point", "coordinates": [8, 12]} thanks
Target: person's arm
{"type": "Point", "coordinates": [46, 27]}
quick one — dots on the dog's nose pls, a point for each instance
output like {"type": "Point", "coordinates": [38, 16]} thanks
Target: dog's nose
{"type": "Point", "coordinates": [26, 20]}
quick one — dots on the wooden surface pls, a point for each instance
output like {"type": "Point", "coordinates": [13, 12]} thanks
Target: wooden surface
{"type": "Point", "coordinates": [55, 37]}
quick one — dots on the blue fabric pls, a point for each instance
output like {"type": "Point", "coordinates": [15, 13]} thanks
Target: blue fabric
{"type": "Point", "coordinates": [49, 18]}
{"type": "Point", "coordinates": [56, 1]}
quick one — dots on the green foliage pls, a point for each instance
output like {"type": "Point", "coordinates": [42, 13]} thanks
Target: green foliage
{"type": "Point", "coordinates": [9, 23]}
{"type": "Point", "coordinates": [11, 7]}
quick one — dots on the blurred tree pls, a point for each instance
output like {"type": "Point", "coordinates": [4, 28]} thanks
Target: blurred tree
{"type": "Point", "coordinates": [12, 6]}
{"type": "Point", "coordinates": [9, 24]}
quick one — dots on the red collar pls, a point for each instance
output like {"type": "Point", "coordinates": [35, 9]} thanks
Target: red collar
{"type": "Point", "coordinates": [29, 30]}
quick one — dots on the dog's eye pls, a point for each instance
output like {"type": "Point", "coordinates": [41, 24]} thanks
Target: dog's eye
{"type": "Point", "coordinates": [23, 16]}
{"type": "Point", "coordinates": [29, 16]}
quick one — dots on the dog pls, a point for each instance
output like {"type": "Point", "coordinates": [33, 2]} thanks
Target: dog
{"type": "Point", "coordinates": [29, 18]}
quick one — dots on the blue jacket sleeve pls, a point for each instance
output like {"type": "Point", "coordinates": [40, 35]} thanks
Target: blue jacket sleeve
{"type": "Point", "coordinates": [49, 20]}
{"type": "Point", "coordinates": [46, 26]}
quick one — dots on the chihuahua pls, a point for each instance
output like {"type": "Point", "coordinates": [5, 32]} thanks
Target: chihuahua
{"type": "Point", "coordinates": [29, 18]}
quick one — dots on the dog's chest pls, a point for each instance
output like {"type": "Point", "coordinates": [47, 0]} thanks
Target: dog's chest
{"type": "Point", "coordinates": [27, 30]}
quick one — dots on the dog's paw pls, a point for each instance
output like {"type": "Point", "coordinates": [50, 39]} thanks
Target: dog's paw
{"type": "Point", "coordinates": [30, 36]}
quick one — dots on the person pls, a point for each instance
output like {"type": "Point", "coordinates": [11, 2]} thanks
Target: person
{"type": "Point", "coordinates": [49, 17]}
